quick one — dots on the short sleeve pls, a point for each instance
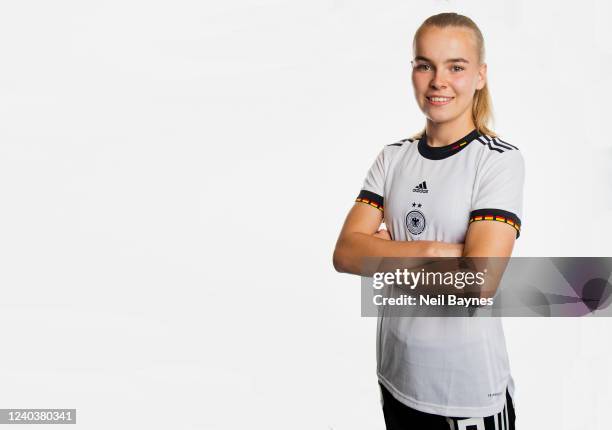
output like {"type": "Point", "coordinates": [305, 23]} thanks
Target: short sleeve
{"type": "Point", "coordinates": [499, 189]}
{"type": "Point", "coordinates": [372, 190]}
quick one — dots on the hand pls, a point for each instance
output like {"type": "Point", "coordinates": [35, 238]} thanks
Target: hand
{"type": "Point", "coordinates": [383, 234]}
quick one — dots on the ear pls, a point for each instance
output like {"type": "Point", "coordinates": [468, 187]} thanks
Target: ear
{"type": "Point", "coordinates": [482, 76]}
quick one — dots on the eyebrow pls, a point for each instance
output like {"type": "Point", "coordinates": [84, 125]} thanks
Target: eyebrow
{"type": "Point", "coordinates": [450, 60]}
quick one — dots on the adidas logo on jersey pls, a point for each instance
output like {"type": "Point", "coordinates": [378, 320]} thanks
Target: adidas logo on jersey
{"type": "Point", "coordinates": [421, 188]}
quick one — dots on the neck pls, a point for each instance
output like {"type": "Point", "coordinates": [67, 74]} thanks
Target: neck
{"type": "Point", "coordinates": [442, 134]}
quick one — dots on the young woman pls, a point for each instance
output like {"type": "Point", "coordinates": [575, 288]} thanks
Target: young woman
{"type": "Point", "coordinates": [453, 190]}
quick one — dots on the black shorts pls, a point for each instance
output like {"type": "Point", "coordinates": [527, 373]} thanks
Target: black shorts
{"type": "Point", "coordinates": [399, 416]}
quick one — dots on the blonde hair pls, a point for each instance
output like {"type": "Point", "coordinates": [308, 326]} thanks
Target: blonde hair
{"type": "Point", "coordinates": [482, 107]}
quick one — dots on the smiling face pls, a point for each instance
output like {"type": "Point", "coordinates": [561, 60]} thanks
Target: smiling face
{"type": "Point", "coordinates": [446, 73]}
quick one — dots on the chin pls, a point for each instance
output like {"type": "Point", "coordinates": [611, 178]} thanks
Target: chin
{"type": "Point", "coordinates": [439, 119]}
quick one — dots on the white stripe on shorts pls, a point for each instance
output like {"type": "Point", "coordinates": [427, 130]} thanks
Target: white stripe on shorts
{"type": "Point", "coordinates": [500, 422]}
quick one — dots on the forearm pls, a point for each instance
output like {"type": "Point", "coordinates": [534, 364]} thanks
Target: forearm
{"type": "Point", "coordinates": [351, 250]}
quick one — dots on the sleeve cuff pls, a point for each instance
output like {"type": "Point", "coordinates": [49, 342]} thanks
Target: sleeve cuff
{"type": "Point", "coordinates": [497, 215]}
{"type": "Point", "coordinates": [371, 199]}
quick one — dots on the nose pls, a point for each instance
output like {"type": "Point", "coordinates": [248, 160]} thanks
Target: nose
{"type": "Point", "coordinates": [438, 81]}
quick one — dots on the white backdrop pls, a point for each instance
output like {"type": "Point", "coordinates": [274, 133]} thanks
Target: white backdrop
{"type": "Point", "coordinates": [174, 175]}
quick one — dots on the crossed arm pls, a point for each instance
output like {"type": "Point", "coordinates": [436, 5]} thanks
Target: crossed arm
{"type": "Point", "coordinates": [360, 238]}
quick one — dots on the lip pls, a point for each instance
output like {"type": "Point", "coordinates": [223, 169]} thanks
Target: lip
{"type": "Point", "coordinates": [439, 103]}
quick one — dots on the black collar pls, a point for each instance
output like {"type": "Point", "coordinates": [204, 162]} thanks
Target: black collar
{"type": "Point", "coordinates": [441, 152]}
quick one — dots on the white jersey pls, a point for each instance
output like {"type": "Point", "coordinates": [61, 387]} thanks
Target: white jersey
{"type": "Point", "coordinates": [445, 366]}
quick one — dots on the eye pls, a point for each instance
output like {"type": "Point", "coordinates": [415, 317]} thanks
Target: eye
{"type": "Point", "coordinates": [422, 66]}
{"type": "Point", "coordinates": [457, 68]}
